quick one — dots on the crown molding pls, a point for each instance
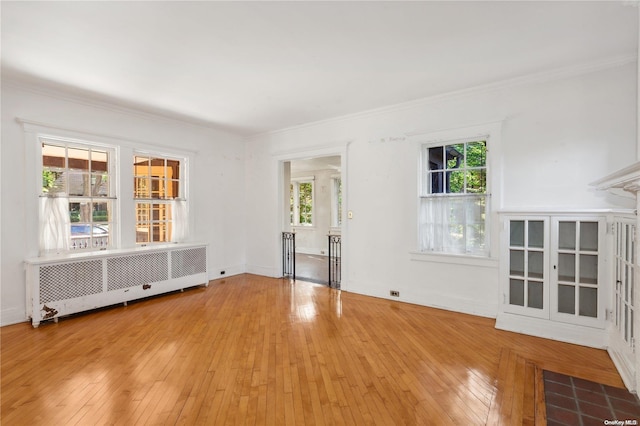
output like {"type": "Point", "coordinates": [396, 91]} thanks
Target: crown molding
{"type": "Point", "coordinates": [525, 80]}
{"type": "Point", "coordinates": [39, 87]}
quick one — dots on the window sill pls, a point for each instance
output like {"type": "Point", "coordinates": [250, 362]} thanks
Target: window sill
{"type": "Point", "coordinates": [454, 259]}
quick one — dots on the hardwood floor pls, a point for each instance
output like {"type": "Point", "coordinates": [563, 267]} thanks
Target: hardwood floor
{"type": "Point", "coordinates": [255, 350]}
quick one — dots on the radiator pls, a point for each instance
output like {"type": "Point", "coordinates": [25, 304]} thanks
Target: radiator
{"type": "Point", "coordinates": [64, 285]}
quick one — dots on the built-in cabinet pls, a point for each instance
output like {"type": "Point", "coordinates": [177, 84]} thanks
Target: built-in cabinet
{"type": "Point", "coordinates": [571, 277]}
{"type": "Point", "coordinates": [555, 268]}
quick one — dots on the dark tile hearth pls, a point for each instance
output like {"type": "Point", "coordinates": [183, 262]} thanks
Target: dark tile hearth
{"type": "Point", "coordinates": [573, 401]}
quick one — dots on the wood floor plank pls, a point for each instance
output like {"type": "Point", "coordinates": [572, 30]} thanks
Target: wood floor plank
{"type": "Point", "coordinates": [251, 350]}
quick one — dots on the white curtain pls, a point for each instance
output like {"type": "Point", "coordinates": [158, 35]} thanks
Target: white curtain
{"type": "Point", "coordinates": [55, 231]}
{"type": "Point", "coordinates": [180, 230]}
{"type": "Point", "coordinates": [453, 224]}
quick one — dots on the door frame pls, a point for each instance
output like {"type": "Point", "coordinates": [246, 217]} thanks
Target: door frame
{"type": "Point", "coordinates": [336, 149]}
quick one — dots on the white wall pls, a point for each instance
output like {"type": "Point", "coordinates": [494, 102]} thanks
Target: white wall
{"type": "Point", "coordinates": [216, 189]}
{"type": "Point", "coordinates": [560, 131]}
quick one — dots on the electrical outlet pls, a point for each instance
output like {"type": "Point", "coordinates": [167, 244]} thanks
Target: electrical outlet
{"type": "Point", "coordinates": [394, 293]}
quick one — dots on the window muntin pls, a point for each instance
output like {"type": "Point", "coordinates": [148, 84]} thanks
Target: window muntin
{"type": "Point", "coordinates": [157, 182]}
{"type": "Point", "coordinates": [454, 198]}
{"type": "Point", "coordinates": [83, 174]}
{"type": "Point", "coordinates": [301, 203]}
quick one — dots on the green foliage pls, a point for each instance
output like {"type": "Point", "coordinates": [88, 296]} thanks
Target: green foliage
{"type": "Point", "coordinates": [48, 180]}
{"type": "Point", "coordinates": [472, 166]}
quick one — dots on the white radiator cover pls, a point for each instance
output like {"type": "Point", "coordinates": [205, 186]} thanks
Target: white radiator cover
{"type": "Point", "coordinates": [64, 285]}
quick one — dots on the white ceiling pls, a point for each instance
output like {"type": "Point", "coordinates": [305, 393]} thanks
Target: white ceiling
{"type": "Point", "coordinates": [251, 67]}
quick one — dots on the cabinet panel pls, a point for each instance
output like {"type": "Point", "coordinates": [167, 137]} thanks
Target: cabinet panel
{"type": "Point", "coordinates": [527, 285]}
{"type": "Point", "coordinates": [577, 250]}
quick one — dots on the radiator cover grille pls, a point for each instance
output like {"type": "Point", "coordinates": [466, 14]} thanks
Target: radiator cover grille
{"type": "Point", "coordinates": [188, 262]}
{"type": "Point", "coordinates": [131, 271]}
{"type": "Point", "coordinates": [69, 280]}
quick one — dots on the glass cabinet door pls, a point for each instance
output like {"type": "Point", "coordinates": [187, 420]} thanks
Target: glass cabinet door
{"type": "Point", "coordinates": [576, 272]}
{"type": "Point", "coordinates": [527, 266]}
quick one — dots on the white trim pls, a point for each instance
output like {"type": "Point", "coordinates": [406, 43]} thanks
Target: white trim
{"type": "Point", "coordinates": [280, 157]}
{"type": "Point", "coordinates": [455, 259]}
{"type": "Point", "coordinates": [563, 332]}
{"type": "Point", "coordinates": [628, 376]}
{"type": "Point", "coordinates": [88, 99]}
{"type": "Point", "coordinates": [432, 300]}
{"type": "Point", "coordinates": [60, 132]}
{"type": "Point", "coordinates": [492, 133]}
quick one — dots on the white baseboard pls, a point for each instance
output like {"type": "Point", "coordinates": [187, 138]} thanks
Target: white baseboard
{"type": "Point", "coordinates": [12, 316]}
{"type": "Point", "coordinates": [448, 303]}
{"type": "Point", "coordinates": [229, 271]}
{"type": "Point", "coordinates": [628, 376]}
{"type": "Point", "coordinates": [262, 270]}
{"type": "Point", "coordinates": [539, 327]}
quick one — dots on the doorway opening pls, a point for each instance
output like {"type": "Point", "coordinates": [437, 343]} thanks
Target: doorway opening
{"type": "Point", "coordinates": [313, 215]}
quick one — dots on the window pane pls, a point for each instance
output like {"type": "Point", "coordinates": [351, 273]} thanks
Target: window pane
{"type": "Point", "coordinates": [566, 299]}
{"type": "Point", "coordinates": [80, 211]}
{"type": "Point", "coordinates": [567, 267]}
{"type": "Point", "coordinates": [588, 302]}
{"type": "Point", "coordinates": [437, 182]}
{"type": "Point", "coordinates": [567, 235]}
{"type": "Point", "coordinates": [99, 161]}
{"type": "Point", "coordinates": [436, 158]}
{"type": "Point", "coordinates": [100, 185]}
{"type": "Point", "coordinates": [534, 294]}
{"type": "Point", "coordinates": [477, 181]}
{"type": "Point", "coordinates": [516, 292]}
{"type": "Point", "coordinates": [79, 184]}
{"type": "Point", "coordinates": [536, 233]}
{"type": "Point", "coordinates": [53, 156]}
{"type": "Point", "coordinates": [173, 189]}
{"type": "Point", "coordinates": [158, 167]}
{"type": "Point", "coordinates": [589, 236]}
{"type": "Point", "coordinates": [516, 262]}
{"type": "Point", "coordinates": [101, 211]}
{"type": "Point", "coordinates": [54, 182]}
{"type": "Point", "coordinates": [173, 169]}
{"type": "Point", "coordinates": [141, 187]}
{"type": "Point", "coordinates": [141, 166]}
{"type": "Point", "coordinates": [516, 233]}
{"type": "Point", "coordinates": [455, 156]}
{"type": "Point", "coordinates": [159, 232]}
{"type": "Point", "coordinates": [476, 154]}
{"type": "Point", "coordinates": [78, 159]}
{"type": "Point", "coordinates": [143, 212]}
{"type": "Point", "coordinates": [455, 182]}
{"type": "Point", "coordinates": [143, 232]}
{"type": "Point", "coordinates": [157, 189]}
{"type": "Point", "coordinates": [588, 269]}
{"type": "Point", "coordinates": [535, 269]}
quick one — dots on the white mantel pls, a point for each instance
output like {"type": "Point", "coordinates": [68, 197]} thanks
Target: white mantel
{"type": "Point", "coordinates": [627, 179]}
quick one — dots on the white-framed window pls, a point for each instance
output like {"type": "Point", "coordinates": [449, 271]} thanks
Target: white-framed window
{"type": "Point", "coordinates": [336, 201]}
{"type": "Point", "coordinates": [454, 197]}
{"type": "Point", "coordinates": [301, 201]}
{"type": "Point", "coordinates": [77, 198]}
{"type": "Point", "coordinates": [159, 198]}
